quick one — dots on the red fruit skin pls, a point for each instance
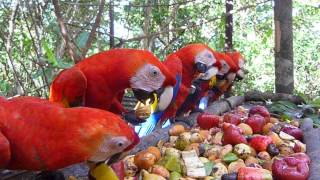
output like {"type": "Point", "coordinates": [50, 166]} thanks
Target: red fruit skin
{"type": "Point", "coordinates": [118, 168]}
{"type": "Point", "coordinates": [301, 157]}
{"type": "Point", "coordinates": [261, 110]}
{"type": "Point", "coordinates": [296, 148]}
{"type": "Point", "coordinates": [208, 121]}
{"type": "Point", "coordinates": [290, 168]}
{"type": "Point", "coordinates": [232, 135]}
{"type": "Point", "coordinates": [232, 118]}
{"type": "Point", "coordinates": [293, 131]}
{"type": "Point", "coordinates": [256, 122]}
{"type": "Point", "coordinates": [251, 173]}
{"type": "Point", "coordinates": [260, 143]}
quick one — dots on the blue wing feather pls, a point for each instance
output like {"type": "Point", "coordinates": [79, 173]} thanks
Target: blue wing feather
{"type": "Point", "coordinates": [151, 123]}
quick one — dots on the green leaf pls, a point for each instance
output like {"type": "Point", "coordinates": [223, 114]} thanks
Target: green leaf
{"type": "Point", "coordinates": [49, 53]}
{"type": "Point", "coordinates": [82, 39]}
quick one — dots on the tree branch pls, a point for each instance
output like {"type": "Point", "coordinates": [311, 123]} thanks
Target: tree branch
{"type": "Point", "coordinates": [94, 28]}
{"type": "Point", "coordinates": [64, 33]}
{"type": "Point", "coordinates": [15, 6]}
{"type": "Point", "coordinates": [191, 26]}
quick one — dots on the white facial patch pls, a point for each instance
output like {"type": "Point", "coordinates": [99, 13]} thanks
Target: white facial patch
{"type": "Point", "coordinates": [148, 78]}
{"type": "Point", "coordinates": [231, 77]}
{"type": "Point", "coordinates": [205, 57]}
{"type": "Point", "coordinates": [224, 67]}
{"type": "Point", "coordinates": [240, 73]}
{"type": "Point", "coordinates": [241, 63]}
{"type": "Point", "coordinates": [109, 147]}
{"type": "Point", "coordinates": [165, 98]}
{"type": "Point", "coordinates": [210, 73]}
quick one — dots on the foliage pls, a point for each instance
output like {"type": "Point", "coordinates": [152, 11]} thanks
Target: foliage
{"type": "Point", "coordinates": [38, 51]}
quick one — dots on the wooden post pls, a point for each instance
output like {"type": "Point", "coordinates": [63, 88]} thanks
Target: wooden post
{"type": "Point", "coordinates": [228, 46]}
{"type": "Point", "coordinates": [111, 17]}
{"type": "Point", "coordinates": [229, 25]}
{"type": "Point", "coordinates": [284, 78]}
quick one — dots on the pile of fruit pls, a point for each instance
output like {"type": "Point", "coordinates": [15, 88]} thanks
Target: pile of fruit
{"type": "Point", "coordinates": [240, 145]}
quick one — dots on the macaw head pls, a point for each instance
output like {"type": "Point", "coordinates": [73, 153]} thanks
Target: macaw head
{"type": "Point", "coordinates": [149, 78]}
{"type": "Point", "coordinates": [228, 68]}
{"type": "Point", "coordinates": [239, 61]}
{"type": "Point", "coordinates": [199, 59]}
{"type": "Point", "coordinates": [118, 138]}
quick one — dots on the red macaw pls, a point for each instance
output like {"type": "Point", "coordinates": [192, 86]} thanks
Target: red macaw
{"type": "Point", "coordinates": [194, 61]}
{"type": "Point", "coordinates": [99, 80]}
{"type": "Point", "coordinates": [197, 62]}
{"type": "Point", "coordinates": [239, 61]}
{"type": "Point", "coordinates": [36, 134]}
{"type": "Point", "coordinates": [226, 66]}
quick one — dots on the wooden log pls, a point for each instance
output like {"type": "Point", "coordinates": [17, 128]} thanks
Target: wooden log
{"type": "Point", "coordinates": [263, 96]}
{"type": "Point", "coordinates": [217, 108]}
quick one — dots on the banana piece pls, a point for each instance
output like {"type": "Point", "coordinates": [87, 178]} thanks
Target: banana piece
{"type": "Point", "coordinates": [195, 168]}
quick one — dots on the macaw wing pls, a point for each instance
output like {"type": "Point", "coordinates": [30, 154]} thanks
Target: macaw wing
{"type": "Point", "coordinates": [69, 88]}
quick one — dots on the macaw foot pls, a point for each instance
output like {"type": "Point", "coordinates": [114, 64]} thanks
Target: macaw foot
{"type": "Point", "coordinates": [197, 110]}
{"type": "Point", "coordinates": [50, 175]}
{"type": "Point", "coordinates": [131, 118]}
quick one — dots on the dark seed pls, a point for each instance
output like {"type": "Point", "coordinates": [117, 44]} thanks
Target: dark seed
{"type": "Point", "coordinates": [273, 150]}
{"type": "Point", "coordinates": [231, 176]}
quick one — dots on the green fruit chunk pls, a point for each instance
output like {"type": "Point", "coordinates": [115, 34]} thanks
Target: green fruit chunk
{"type": "Point", "coordinates": [208, 166]}
{"type": "Point", "coordinates": [171, 163]}
{"type": "Point", "coordinates": [230, 157]}
{"type": "Point", "coordinates": [175, 176]}
{"type": "Point", "coordinates": [181, 144]}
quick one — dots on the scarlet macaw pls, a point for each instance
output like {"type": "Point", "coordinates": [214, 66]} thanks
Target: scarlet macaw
{"type": "Point", "coordinates": [194, 61]}
{"type": "Point", "coordinates": [225, 77]}
{"type": "Point", "coordinates": [99, 80]}
{"type": "Point", "coordinates": [36, 134]}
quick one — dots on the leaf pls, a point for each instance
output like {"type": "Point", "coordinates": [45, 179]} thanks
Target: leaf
{"type": "Point", "coordinates": [82, 39]}
{"type": "Point", "coordinates": [49, 53]}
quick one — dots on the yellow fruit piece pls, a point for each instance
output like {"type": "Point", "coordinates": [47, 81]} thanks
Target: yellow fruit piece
{"type": "Point", "coordinates": [104, 172]}
{"type": "Point", "coordinates": [212, 82]}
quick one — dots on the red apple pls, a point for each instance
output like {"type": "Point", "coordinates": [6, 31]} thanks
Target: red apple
{"type": "Point", "coordinates": [301, 157]}
{"type": "Point", "coordinates": [232, 118]}
{"type": "Point", "coordinates": [208, 121]}
{"type": "Point", "coordinates": [256, 122]}
{"type": "Point", "coordinates": [232, 135]}
{"type": "Point", "coordinates": [260, 143]}
{"type": "Point", "coordinates": [293, 131]}
{"type": "Point", "coordinates": [261, 110]}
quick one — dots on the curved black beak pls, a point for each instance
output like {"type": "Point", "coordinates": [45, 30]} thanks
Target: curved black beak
{"type": "Point", "coordinates": [201, 68]}
{"type": "Point", "coordinates": [143, 95]}
{"type": "Point", "coordinates": [115, 158]}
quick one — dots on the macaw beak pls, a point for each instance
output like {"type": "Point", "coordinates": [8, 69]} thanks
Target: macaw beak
{"type": "Point", "coordinates": [241, 73]}
{"type": "Point", "coordinates": [212, 71]}
{"type": "Point", "coordinates": [159, 99]}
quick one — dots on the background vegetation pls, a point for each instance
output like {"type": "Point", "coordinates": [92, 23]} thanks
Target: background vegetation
{"type": "Point", "coordinates": [33, 50]}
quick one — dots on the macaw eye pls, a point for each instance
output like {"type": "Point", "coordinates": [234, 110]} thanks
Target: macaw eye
{"type": "Point", "coordinates": [119, 144]}
{"type": "Point", "coordinates": [154, 72]}
{"type": "Point", "coordinates": [202, 68]}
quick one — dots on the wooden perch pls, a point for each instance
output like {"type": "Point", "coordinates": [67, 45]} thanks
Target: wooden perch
{"type": "Point", "coordinates": [218, 108]}
{"type": "Point", "coordinates": [263, 96]}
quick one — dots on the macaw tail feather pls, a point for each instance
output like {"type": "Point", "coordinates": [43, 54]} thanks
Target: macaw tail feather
{"type": "Point", "coordinates": [151, 123]}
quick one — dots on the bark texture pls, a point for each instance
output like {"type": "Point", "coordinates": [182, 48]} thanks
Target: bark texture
{"type": "Point", "coordinates": [283, 46]}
